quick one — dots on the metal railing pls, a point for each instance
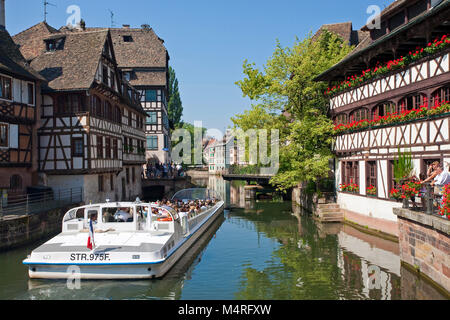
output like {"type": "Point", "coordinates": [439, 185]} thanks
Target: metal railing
{"type": "Point", "coordinates": [26, 204]}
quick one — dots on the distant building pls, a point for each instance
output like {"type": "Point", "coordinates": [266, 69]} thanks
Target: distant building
{"type": "Point", "coordinates": [223, 154]}
{"type": "Point", "coordinates": [206, 150]}
{"type": "Point", "coordinates": [20, 105]}
{"type": "Point", "coordinates": [92, 123]}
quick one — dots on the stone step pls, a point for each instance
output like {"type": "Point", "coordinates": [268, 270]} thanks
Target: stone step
{"type": "Point", "coordinates": [330, 210]}
{"type": "Point", "coordinates": [332, 215]}
{"type": "Point", "coordinates": [329, 216]}
{"type": "Point", "coordinates": [332, 220]}
{"type": "Point", "coordinates": [328, 206]}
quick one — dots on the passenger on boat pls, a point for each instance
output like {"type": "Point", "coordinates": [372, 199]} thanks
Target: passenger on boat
{"type": "Point", "coordinates": [123, 215]}
{"type": "Point", "coordinates": [93, 217]}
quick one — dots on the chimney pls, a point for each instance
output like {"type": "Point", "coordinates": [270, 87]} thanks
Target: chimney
{"type": "Point", "coordinates": [2, 15]}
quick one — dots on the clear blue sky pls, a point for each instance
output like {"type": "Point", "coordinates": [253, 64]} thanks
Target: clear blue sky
{"type": "Point", "coordinates": [207, 40]}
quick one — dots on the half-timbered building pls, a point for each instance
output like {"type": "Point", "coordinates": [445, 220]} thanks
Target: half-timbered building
{"type": "Point", "coordinates": [144, 62]}
{"type": "Point", "coordinates": [91, 132]}
{"type": "Point", "coordinates": [19, 106]}
{"type": "Point", "coordinates": [382, 99]}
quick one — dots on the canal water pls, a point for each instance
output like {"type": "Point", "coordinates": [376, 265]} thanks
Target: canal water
{"type": "Point", "coordinates": [258, 250]}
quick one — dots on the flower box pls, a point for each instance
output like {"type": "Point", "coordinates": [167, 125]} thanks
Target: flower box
{"type": "Point", "coordinates": [433, 48]}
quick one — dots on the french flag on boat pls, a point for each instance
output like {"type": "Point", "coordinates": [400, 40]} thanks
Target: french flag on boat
{"type": "Point", "coordinates": [91, 243]}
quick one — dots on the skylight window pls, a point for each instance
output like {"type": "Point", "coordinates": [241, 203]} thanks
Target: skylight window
{"type": "Point", "coordinates": [55, 44]}
{"type": "Point", "coordinates": [127, 39]}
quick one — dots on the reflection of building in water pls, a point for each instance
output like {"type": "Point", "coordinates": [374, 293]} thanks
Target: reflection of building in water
{"type": "Point", "coordinates": [237, 194]}
{"type": "Point", "coordinates": [220, 186]}
{"type": "Point", "coordinates": [371, 266]}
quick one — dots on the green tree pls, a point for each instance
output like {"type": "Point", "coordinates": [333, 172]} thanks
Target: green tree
{"type": "Point", "coordinates": [196, 147]}
{"type": "Point", "coordinates": [175, 106]}
{"type": "Point", "coordinates": [288, 99]}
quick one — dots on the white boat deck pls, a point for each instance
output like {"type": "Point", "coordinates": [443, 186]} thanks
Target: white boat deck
{"type": "Point", "coordinates": [144, 245]}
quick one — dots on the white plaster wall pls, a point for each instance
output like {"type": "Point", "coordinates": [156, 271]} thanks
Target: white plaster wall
{"type": "Point", "coordinates": [382, 181]}
{"type": "Point", "coordinates": [338, 174]}
{"type": "Point", "coordinates": [367, 206]}
{"type": "Point", "coordinates": [362, 177]}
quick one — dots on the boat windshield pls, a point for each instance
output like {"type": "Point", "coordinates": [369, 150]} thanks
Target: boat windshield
{"type": "Point", "coordinates": [115, 215]}
{"type": "Point", "coordinates": [196, 194]}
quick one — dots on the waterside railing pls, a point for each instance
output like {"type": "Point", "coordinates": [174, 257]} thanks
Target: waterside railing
{"type": "Point", "coordinates": [27, 204]}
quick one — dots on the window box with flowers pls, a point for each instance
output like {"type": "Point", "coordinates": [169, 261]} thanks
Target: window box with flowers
{"type": "Point", "coordinates": [351, 188]}
{"type": "Point", "coordinates": [354, 81]}
{"type": "Point", "coordinates": [406, 116]}
{"type": "Point", "coordinates": [405, 192]}
{"type": "Point", "coordinates": [371, 191]}
{"type": "Point", "coordinates": [395, 194]}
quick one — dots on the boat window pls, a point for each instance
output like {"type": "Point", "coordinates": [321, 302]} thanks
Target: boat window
{"type": "Point", "coordinates": [113, 215]}
{"type": "Point", "coordinates": [142, 213]}
{"type": "Point", "coordinates": [108, 215]}
{"type": "Point", "coordinates": [80, 214]}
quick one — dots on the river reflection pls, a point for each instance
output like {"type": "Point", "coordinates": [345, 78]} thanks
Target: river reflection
{"type": "Point", "coordinates": [258, 250]}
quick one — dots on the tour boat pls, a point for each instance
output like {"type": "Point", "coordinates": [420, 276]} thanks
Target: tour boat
{"type": "Point", "coordinates": [123, 240]}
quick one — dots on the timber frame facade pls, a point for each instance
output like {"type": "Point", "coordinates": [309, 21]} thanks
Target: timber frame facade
{"type": "Point", "coordinates": [365, 156]}
{"type": "Point", "coordinates": [91, 134]}
{"type": "Point", "coordinates": [19, 105]}
{"type": "Point", "coordinates": [144, 63]}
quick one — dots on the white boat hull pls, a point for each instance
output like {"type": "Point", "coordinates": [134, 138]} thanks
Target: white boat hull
{"type": "Point", "coordinates": [111, 271]}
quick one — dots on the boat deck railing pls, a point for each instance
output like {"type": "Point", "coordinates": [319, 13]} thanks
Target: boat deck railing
{"type": "Point", "coordinates": [27, 204]}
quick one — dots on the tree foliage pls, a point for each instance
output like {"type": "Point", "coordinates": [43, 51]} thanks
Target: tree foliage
{"type": "Point", "coordinates": [175, 106]}
{"type": "Point", "coordinates": [288, 99]}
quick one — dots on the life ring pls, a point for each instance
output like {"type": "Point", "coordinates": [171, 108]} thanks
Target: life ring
{"type": "Point", "coordinates": [165, 219]}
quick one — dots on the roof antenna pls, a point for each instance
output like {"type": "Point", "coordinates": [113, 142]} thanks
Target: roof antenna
{"type": "Point", "coordinates": [46, 3]}
{"type": "Point", "coordinates": [113, 23]}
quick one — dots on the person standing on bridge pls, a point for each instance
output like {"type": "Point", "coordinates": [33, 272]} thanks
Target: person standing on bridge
{"type": "Point", "coordinates": [165, 170]}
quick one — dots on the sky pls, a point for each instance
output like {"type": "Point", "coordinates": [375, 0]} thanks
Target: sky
{"type": "Point", "coordinates": [207, 41]}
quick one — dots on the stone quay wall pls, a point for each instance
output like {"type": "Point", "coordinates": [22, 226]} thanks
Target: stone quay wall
{"type": "Point", "coordinates": [425, 244]}
{"type": "Point", "coordinates": [16, 231]}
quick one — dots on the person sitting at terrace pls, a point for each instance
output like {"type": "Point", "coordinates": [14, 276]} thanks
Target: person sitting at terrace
{"type": "Point", "coordinates": [432, 171]}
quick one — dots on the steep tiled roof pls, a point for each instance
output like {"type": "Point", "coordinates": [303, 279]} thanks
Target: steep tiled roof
{"type": "Point", "coordinates": [12, 61]}
{"type": "Point", "coordinates": [146, 50]}
{"type": "Point", "coordinates": [75, 66]}
{"type": "Point", "coordinates": [149, 78]}
{"type": "Point", "coordinates": [145, 54]}
{"type": "Point", "coordinates": [31, 40]}
{"type": "Point", "coordinates": [344, 30]}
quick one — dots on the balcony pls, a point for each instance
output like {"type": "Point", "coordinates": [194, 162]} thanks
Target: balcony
{"type": "Point", "coordinates": [428, 69]}
{"type": "Point", "coordinates": [133, 155]}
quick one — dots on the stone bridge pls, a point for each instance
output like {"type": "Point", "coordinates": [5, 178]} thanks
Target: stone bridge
{"type": "Point", "coordinates": [258, 178]}
{"type": "Point", "coordinates": [157, 188]}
